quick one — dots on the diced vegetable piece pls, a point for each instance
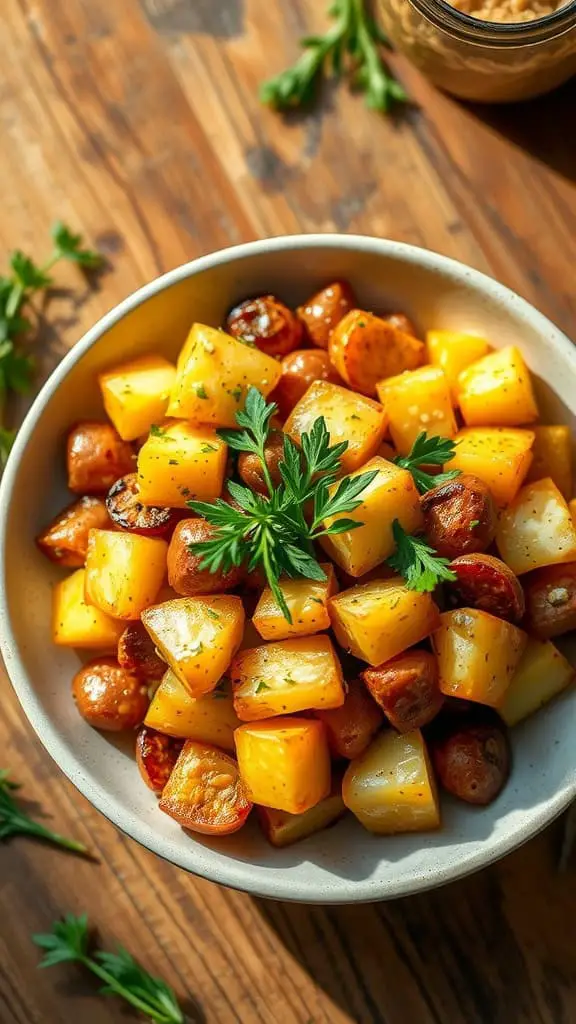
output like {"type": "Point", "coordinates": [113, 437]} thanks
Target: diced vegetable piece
{"type": "Point", "coordinates": [283, 829]}
{"type": "Point", "coordinates": [205, 792]}
{"type": "Point", "coordinates": [552, 456]}
{"type": "Point", "coordinates": [390, 787]}
{"type": "Point", "coordinates": [209, 719]}
{"type": "Point", "coordinates": [349, 417]}
{"type": "Point", "coordinates": [551, 600]}
{"type": "Point", "coordinates": [391, 495]}
{"type": "Point", "coordinates": [284, 763]}
{"type": "Point", "coordinates": [536, 529]}
{"type": "Point", "coordinates": [416, 401]}
{"type": "Point", "coordinates": [365, 349]}
{"type": "Point", "coordinates": [179, 463]}
{"type": "Point", "coordinates": [478, 655]}
{"type": "Point", "coordinates": [406, 688]}
{"type": "Point", "coordinates": [213, 375]}
{"type": "Point", "coordinates": [307, 602]}
{"type": "Point", "coordinates": [497, 391]}
{"type": "Point", "coordinates": [286, 677]}
{"type": "Point", "coordinates": [124, 572]}
{"type": "Point", "coordinates": [351, 727]}
{"type": "Point", "coordinates": [542, 673]}
{"type": "Point", "coordinates": [77, 624]}
{"type": "Point", "coordinates": [198, 637]}
{"type": "Point", "coordinates": [376, 620]}
{"type": "Point", "coordinates": [501, 458]}
{"type": "Point", "coordinates": [65, 540]}
{"type": "Point", "coordinates": [453, 351]}
{"type": "Point", "coordinates": [135, 394]}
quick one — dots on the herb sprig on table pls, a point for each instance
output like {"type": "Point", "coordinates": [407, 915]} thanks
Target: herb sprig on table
{"type": "Point", "coordinates": [351, 48]}
{"type": "Point", "coordinates": [15, 822]}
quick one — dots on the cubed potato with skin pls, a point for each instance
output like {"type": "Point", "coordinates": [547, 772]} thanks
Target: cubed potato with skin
{"type": "Point", "coordinates": [453, 351]}
{"type": "Point", "coordinates": [391, 495]}
{"type": "Point", "coordinates": [500, 457]}
{"type": "Point", "coordinates": [284, 829]}
{"type": "Point", "coordinates": [179, 463]}
{"type": "Point", "coordinates": [81, 625]}
{"type": "Point", "coordinates": [349, 417]}
{"type": "Point", "coordinates": [124, 572]}
{"type": "Point", "coordinates": [136, 394]}
{"type": "Point", "coordinates": [208, 719]}
{"type": "Point", "coordinates": [351, 727]}
{"type": "Point", "coordinates": [497, 391]}
{"type": "Point", "coordinates": [536, 529]}
{"type": "Point", "coordinates": [376, 620]}
{"type": "Point", "coordinates": [543, 672]}
{"type": "Point", "coordinates": [390, 788]}
{"type": "Point", "coordinates": [286, 677]}
{"type": "Point", "coordinates": [478, 655]}
{"type": "Point", "coordinates": [416, 401]}
{"type": "Point", "coordinates": [552, 456]}
{"type": "Point", "coordinates": [197, 637]}
{"type": "Point", "coordinates": [284, 763]}
{"type": "Point", "coordinates": [214, 374]}
{"type": "Point", "coordinates": [307, 601]}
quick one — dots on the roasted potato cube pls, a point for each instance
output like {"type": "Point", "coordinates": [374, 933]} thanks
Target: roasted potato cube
{"type": "Point", "coordinates": [77, 624]}
{"type": "Point", "coordinates": [391, 495]}
{"type": "Point", "coordinates": [283, 829]}
{"type": "Point", "coordinates": [96, 456]}
{"type": "Point", "coordinates": [286, 677]}
{"type": "Point", "coordinates": [124, 572]}
{"type": "Point", "coordinates": [65, 540]}
{"type": "Point", "coordinates": [284, 763]}
{"type": "Point", "coordinates": [543, 672]}
{"type": "Point", "coordinates": [551, 600]}
{"type": "Point", "coordinates": [453, 351]}
{"type": "Point", "coordinates": [209, 719]}
{"type": "Point", "coordinates": [365, 349]}
{"type": "Point", "coordinates": [179, 462]}
{"type": "Point", "coordinates": [497, 391]}
{"type": "Point", "coordinates": [552, 456]}
{"type": "Point", "coordinates": [307, 602]}
{"type": "Point", "coordinates": [536, 529]}
{"type": "Point", "coordinates": [415, 401]}
{"type": "Point", "coordinates": [135, 394]}
{"type": "Point", "coordinates": [351, 727]}
{"type": "Point", "coordinates": [478, 655]}
{"type": "Point", "coordinates": [376, 620]}
{"type": "Point", "coordinates": [407, 690]}
{"type": "Point", "coordinates": [499, 457]}
{"type": "Point", "coordinates": [349, 417]}
{"type": "Point", "coordinates": [390, 787]}
{"type": "Point", "coordinates": [213, 375]}
{"type": "Point", "coordinates": [205, 792]}
{"type": "Point", "coordinates": [198, 637]}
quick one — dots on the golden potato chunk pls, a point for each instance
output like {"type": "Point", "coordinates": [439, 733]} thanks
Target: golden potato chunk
{"type": "Point", "coordinates": [135, 394]}
{"type": "Point", "coordinates": [536, 529]}
{"type": "Point", "coordinates": [179, 462]}
{"type": "Point", "coordinates": [415, 401]}
{"type": "Point", "coordinates": [478, 655]}
{"type": "Point", "coordinates": [552, 456]}
{"type": "Point", "coordinates": [284, 829]}
{"type": "Point", "coordinates": [124, 572]}
{"type": "Point", "coordinates": [77, 624]}
{"type": "Point", "coordinates": [307, 601]}
{"type": "Point", "coordinates": [499, 457]}
{"type": "Point", "coordinates": [284, 763]}
{"type": "Point", "coordinates": [543, 672]}
{"type": "Point", "coordinates": [205, 792]}
{"type": "Point", "coordinates": [497, 391]}
{"type": "Point", "coordinates": [453, 351]}
{"type": "Point", "coordinates": [208, 719]}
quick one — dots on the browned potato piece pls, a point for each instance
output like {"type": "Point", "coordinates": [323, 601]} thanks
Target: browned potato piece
{"type": "Point", "coordinates": [485, 582]}
{"type": "Point", "coordinates": [65, 540]}
{"type": "Point", "coordinates": [401, 322]}
{"type": "Point", "coordinates": [351, 727]}
{"type": "Point", "coordinates": [551, 601]}
{"type": "Point", "coordinates": [406, 688]}
{"type": "Point", "coordinates": [250, 465]}
{"type": "Point", "coordinates": [205, 792]}
{"type": "Point", "coordinates": [324, 310]}
{"type": "Point", "coordinates": [472, 760]}
{"type": "Point", "coordinates": [137, 653]}
{"type": "Point", "coordinates": [96, 457]}
{"type": "Point", "coordinates": [299, 370]}
{"type": "Point", "coordinates": [266, 323]}
{"type": "Point", "coordinates": [283, 829]}
{"type": "Point", "coordinates": [459, 516]}
{"type": "Point", "coordinates": [110, 697]}
{"type": "Point", "coordinates": [184, 574]}
{"type": "Point", "coordinates": [156, 756]}
{"type": "Point", "coordinates": [365, 349]}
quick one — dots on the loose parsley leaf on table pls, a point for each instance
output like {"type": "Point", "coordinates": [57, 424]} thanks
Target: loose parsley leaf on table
{"type": "Point", "coordinates": [15, 822]}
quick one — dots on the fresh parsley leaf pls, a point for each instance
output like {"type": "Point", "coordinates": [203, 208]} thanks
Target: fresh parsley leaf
{"type": "Point", "coordinates": [68, 246]}
{"type": "Point", "coordinates": [429, 451]}
{"type": "Point", "coordinates": [6, 441]}
{"type": "Point", "coordinates": [27, 274]}
{"type": "Point", "coordinates": [420, 565]}
{"type": "Point", "coordinates": [14, 821]}
{"type": "Point", "coordinates": [261, 687]}
{"type": "Point", "coordinates": [156, 431]}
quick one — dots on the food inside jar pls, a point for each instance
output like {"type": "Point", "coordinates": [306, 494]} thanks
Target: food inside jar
{"type": "Point", "coordinates": [507, 10]}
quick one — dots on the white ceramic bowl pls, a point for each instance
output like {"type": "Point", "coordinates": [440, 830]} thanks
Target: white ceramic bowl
{"type": "Point", "coordinates": [345, 863]}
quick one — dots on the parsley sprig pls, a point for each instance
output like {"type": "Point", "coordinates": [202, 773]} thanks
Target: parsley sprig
{"type": "Point", "coordinates": [420, 565]}
{"type": "Point", "coordinates": [14, 821]}
{"type": "Point", "coordinates": [429, 451]}
{"type": "Point", "coordinates": [277, 531]}
{"type": "Point", "coordinates": [350, 46]}
{"type": "Point", "coordinates": [123, 976]}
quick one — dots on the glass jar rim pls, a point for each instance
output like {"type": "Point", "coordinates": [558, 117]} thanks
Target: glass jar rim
{"type": "Point", "coordinates": [497, 33]}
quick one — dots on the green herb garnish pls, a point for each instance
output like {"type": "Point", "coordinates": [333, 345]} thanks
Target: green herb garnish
{"type": "Point", "coordinates": [429, 451]}
{"type": "Point", "coordinates": [15, 822]}
{"type": "Point", "coordinates": [420, 565]}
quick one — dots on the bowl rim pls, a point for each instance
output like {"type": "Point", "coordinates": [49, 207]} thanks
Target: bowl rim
{"type": "Point", "coordinates": [241, 875]}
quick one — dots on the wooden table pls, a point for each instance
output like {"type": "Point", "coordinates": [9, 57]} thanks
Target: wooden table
{"type": "Point", "coordinates": [138, 123]}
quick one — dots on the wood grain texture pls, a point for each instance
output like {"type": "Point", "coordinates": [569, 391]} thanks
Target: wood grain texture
{"type": "Point", "coordinates": [138, 123]}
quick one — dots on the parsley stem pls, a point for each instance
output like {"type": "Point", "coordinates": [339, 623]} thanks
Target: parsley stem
{"type": "Point", "coordinates": [116, 986]}
{"type": "Point", "coordinates": [34, 828]}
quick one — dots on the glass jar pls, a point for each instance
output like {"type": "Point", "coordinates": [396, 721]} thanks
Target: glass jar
{"type": "Point", "coordinates": [494, 62]}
